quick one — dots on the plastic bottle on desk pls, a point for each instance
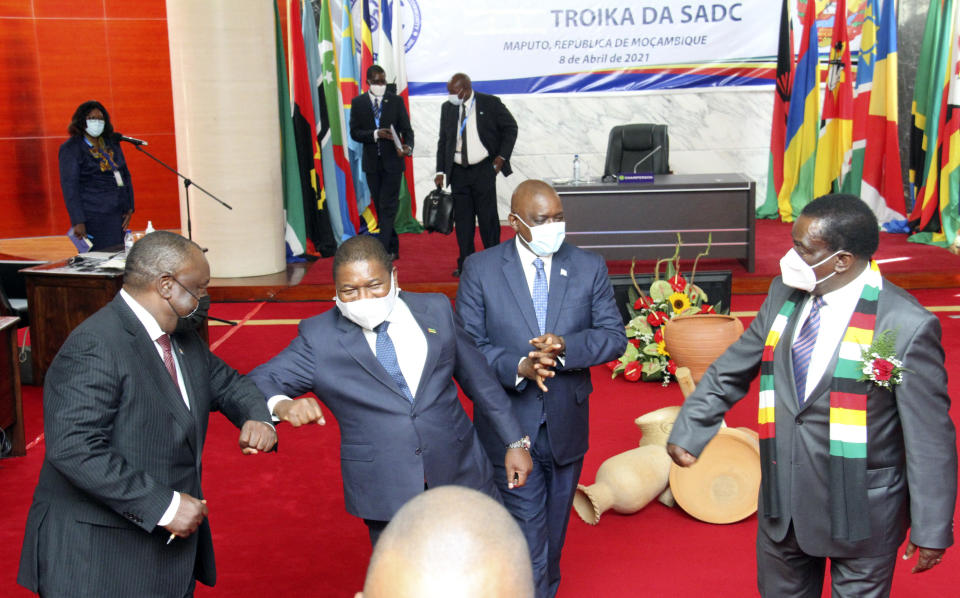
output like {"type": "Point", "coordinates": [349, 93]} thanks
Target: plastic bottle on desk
{"type": "Point", "coordinates": [576, 168]}
{"type": "Point", "coordinates": [127, 242]}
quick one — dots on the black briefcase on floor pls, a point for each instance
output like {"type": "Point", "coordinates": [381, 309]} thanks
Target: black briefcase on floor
{"type": "Point", "coordinates": [438, 212]}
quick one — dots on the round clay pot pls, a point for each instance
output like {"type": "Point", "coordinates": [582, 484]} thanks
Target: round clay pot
{"type": "Point", "coordinates": [656, 425]}
{"type": "Point", "coordinates": [625, 483]}
{"type": "Point", "coordinates": [695, 341]}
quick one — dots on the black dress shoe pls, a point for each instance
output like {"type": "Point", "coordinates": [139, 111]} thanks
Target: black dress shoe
{"type": "Point", "coordinates": [456, 273]}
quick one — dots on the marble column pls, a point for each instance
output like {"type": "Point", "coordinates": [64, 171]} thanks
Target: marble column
{"type": "Point", "coordinates": [223, 70]}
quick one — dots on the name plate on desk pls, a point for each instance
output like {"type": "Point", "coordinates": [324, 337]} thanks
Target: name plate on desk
{"type": "Point", "coordinates": [631, 178]}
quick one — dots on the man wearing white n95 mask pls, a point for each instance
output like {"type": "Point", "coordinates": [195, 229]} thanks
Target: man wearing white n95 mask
{"type": "Point", "coordinates": [384, 363]}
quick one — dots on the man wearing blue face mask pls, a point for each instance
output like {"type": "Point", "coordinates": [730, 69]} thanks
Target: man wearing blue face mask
{"type": "Point", "coordinates": [854, 451]}
{"type": "Point", "coordinates": [384, 362]}
{"type": "Point", "coordinates": [542, 312]}
{"type": "Point", "coordinates": [477, 134]}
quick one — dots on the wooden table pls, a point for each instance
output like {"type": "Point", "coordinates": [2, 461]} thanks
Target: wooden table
{"type": "Point", "coordinates": [641, 221]}
{"type": "Point", "coordinates": [11, 402]}
{"type": "Point", "coordinates": [60, 297]}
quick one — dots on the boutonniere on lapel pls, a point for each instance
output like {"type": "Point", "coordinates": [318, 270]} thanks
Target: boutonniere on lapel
{"type": "Point", "coordinates": [879, 361]}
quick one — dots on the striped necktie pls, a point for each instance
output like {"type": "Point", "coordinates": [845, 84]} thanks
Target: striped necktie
{"type": "Point", "coordinates": [803, 347]}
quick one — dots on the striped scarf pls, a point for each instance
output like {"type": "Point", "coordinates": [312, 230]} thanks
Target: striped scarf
{"type": "Point", "coordinates": [848, 416]}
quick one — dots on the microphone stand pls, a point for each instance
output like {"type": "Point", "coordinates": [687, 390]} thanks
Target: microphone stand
{"type": "Point", "coordinates": [186, 187]}
{"type": "Point", "coordinates": [645, 158]}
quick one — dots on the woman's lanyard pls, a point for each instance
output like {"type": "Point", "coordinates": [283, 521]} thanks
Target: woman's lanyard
{"type": "Point", "coordinates": [106, 156]}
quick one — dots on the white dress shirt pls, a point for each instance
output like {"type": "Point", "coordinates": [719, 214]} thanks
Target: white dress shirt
{"type": "Point", "coordinates": [154, 332]}
{"type": "Point", "coordinates": [476, 153]}
{"type": "Point", "coordinates": [834, 317]}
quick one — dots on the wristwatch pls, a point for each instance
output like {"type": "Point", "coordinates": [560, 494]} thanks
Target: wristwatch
{"type": "Point", "coordinates": [523, 443]}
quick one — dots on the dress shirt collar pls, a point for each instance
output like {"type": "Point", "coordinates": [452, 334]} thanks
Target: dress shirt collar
{"type": "Point", "coordinates": [848, 294]}
{"type": "Point", "coordinates": [527, 256]}
{"type": "Point", "coordinates": [146, 318]}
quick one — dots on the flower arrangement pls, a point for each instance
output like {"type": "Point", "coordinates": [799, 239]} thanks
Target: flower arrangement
{"type": "Point", "coordinates": [646, 357]}
{"type": "Point", "coordinates": [879, 363]}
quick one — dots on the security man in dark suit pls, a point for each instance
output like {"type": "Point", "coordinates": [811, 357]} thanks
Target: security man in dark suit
{"type": "Point", "coordinates": [477, 134]}
{"type": "Point", "coordinates": [371, 115]}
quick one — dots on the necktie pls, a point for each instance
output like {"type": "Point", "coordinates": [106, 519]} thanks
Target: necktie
{"type": "Point", "coordinates": [376, 117]}
{"type": "Point", "coordinates": [387, 356]}
{"type": "Point", "coordinates": [803, 347]}
{"type": "Point", "coordinates": [164, 341]}
{"type": "Point", "coordinates": [463, 136]}
{"type": "Point", "coordinates": [540, 294]}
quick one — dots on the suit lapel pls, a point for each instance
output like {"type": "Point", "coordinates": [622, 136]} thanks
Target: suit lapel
{"type": "Point", "coordinates": [423, 318]}
{"type": "Point", "coordinates": [559, 277]}
{"type": "Point", "coordinates": [783, 362]}
{"type": "Point", "coordinates": [191, 380]}
{"type": "Point", "coordinates": [517, 282]}
{"type": "Point", "coordinates": [351, 338]}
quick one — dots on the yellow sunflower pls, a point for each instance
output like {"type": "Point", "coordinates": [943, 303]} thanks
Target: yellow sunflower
{"type": "Point", "coordinates": [679, 302]}
{"type": "Point", "coordinates": [662, 348]}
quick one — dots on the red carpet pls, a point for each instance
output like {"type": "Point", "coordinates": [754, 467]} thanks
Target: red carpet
{"type": "Point", "coordinates": [432, 257]}
{"type": "Point", "coordinates": [280, 527]}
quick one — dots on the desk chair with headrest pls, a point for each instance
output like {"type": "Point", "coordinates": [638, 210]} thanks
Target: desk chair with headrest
{"type": "Point", "coordinates": [629, 144]}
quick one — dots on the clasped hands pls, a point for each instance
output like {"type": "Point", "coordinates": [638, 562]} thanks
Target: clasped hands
{"type": "Point", "coordinates": [541, 363]}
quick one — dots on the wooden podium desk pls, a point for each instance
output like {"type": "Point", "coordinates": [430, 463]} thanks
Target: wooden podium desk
{"type": "Point", "coordinates": [60, 297]}
{"type": "Point", "coordinates": [641, 221]}
{"type": "Point", "coordinates": [11, 404]}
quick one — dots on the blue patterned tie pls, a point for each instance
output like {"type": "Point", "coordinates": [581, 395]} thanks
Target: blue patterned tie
{"type": "Point", "coordinates": [803, 347]}
{"type": "Point", "coordinates": [540, 295]}
{"type": "Point", "coordinates": [377, 110]}
{"type": "Point", "coordinates": [387, 356]}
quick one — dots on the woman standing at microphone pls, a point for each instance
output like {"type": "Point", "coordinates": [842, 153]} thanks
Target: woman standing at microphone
{"type": "Point", "coordinates": [94, 178]}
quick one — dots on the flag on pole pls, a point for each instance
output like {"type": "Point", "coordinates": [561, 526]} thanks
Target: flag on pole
{"type": "Point", "coordinates": [366, 39]}
{"type": "Point", "coordinates": [350, 77]}
{"type": "Point", "coordinates": [836, 128]}
{"type": "Point", "coordinates": [861, 95]}
{"type": "Point", "coordinates": [318, 229]}
{"type": "Point", "coordinates": [295, 235]}
{"type": "Point", "coordinates": [881, 185]}
{"type": "Point", "coordinates": [802, 122]}
{"type": "Point", "coordinates": [392, 56]}
{"type": "Point", "coordinates": [934, 215]}
{"type": "Point", "coordinates": [781, 102]}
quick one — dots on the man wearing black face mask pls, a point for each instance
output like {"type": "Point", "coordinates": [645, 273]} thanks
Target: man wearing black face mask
{"type": "Point", "coordinates": [119, 509]}
{"type": "Point", "coordinates": [371, 116]}
{"type": "Point", "coordinates": [854, 451]}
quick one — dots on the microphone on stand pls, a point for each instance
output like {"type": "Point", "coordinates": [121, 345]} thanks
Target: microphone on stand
{"type": "Point", "coordinates": [119, 137]}
{"type": "Point", "coordinates": [645, 158]}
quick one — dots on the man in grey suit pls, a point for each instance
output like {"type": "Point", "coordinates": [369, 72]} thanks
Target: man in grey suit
{"type": "Point", "coordinates": [118, 509]}
{"type": "Point", "coordinates": [542, 312]}
{"type": "Point", "coordinates": [384, 362]}
{"type": "Point", "coordinates": [850, 461]}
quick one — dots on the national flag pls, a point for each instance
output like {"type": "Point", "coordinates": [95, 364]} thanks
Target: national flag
{"type": "Point", "coordinates": [366, 39]}
{"type": "Point", "coordinates": [339, 217]}
{"type": "Point", "coordinates": [781, 103]}
{"type": "Point", "coordinates": [836, 128]}
{"type": "Point", "coordinates": [861, 95]}
{"type": "Point", "coordinates": [292, 192]}
{"type": "Point", "coordinates": [882, 180]}
{"type": "Point", "coordinates": [392, 56]}
{"type": "Point", "coordinates": [802, 123]}
{"type": "Point", "coordinates": [935, 214]}
{"type": "Point", "coordinates": [318, 227]}
{"type": "Point", "coordinates": [349, 89]}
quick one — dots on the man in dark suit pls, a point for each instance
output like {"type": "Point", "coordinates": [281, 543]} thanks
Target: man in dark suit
{"type": "Point", "coordinates": [477, 134]}
{"type": "Point", "coordinates": [384, 362]}
{"type": "Point", "coordinates": [371, 116]}
{"type": "Point", "coordinates": [849, 463]}
{"type": "Point", "coordinates": [542, 312]}
{"type": "Point", "coordinates": [118, 509]}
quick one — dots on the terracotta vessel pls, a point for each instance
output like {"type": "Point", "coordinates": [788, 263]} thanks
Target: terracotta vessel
{"type": "Point", "coordinates": [624, 483]}
{"type": "Point", "coordinates": [656, 425]}
{"type": "Point", "coordinates": [695, 341]}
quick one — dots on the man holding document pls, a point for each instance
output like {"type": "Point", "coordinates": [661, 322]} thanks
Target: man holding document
{"type": "Point", "coordinates": [376, 119]}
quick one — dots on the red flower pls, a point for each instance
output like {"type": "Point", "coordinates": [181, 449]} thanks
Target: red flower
{"type": "Point", "coordinates": [678, 283]}
{"type": "Point", "coordinates": [633, 371]}
{"type": "Point", "coordinates": [657, 336]}
{"type": "Point", "coordinates": [707, 309]}
{"type": "Point", "coordinates": [653, 318]}
{"type": "Point", "coordinates": [613, 364]}
{"type": "Point", "coordinates": [663, 316]}
{"type": "Point", "coordinates": [672, 366]}
{"type": "Point", "coordinates": [642, 303]}
{"type": "Point", "coordinates": [882, 369]}
{"type": "Point", "coordinates": [635, 342]}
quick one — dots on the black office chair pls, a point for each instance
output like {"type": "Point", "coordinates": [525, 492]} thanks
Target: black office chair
{"type": "Point", "coordinates": [633, 148]}
{"type": "Point", "coordinates": [13, 289]}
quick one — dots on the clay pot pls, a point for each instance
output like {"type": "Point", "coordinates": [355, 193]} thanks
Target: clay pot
{"type": "Point", "coordinates": [695, 341]}
{"type": "Point", "coordinates": [656, 425]}
{"type": "Point", "coordinates": [625, 483]}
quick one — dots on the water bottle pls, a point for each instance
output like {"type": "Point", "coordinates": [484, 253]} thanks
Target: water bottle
{"type": "Point", "coordinates": [127, 242]}
{"type": "Point", "coordinates": [576, 168]}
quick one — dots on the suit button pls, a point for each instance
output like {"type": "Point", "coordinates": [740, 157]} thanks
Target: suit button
{"type": "Point", "coordinates": [799, 421]}
{"type": "Point", "coordinates": [418, 451]}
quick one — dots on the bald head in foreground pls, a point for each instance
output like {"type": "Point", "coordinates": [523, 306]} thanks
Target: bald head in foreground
{"type": "Point", "coordinates": [447, 541]}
